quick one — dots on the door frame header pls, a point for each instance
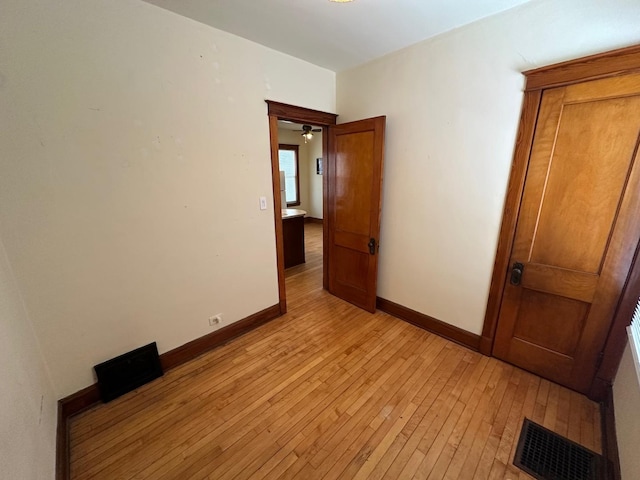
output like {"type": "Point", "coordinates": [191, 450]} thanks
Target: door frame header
{"type": "Point", "coordinates": [602, 65]}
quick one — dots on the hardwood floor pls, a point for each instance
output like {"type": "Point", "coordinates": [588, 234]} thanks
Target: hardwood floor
{"type": "Point", "coordinates": [327, 391]}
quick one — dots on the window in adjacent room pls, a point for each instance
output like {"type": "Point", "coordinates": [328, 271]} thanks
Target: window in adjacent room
{"type": "Point", "coordinates": [288, 157]}
{"type": "Point", "coordinates": [634, 338]}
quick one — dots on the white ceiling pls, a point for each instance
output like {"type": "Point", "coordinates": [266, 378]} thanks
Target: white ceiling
{"type": "Point", "coordinates": [336, 35]}
{"type": "Point", "coordinates": [287, 125]}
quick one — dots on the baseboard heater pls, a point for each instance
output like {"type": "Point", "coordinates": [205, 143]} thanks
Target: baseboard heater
{"type": "Point", "coordinates": [128, 371]}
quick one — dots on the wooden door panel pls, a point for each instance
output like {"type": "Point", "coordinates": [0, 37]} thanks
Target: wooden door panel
{"type": "Point", "coordinates": [562, 282]}
{"type": "Point", "coordinates": [354, 182]}
{"type": "Point", "coordinates": [544, 139]}
{"type": "Point", "coordinates": [584, 183]}
{"type": "Point", "coordinates": [615, 270]}
{"type": "Point", "coordinates": [354, 166]}
{"type": "Point", "coordinates": [353, 276]}
{"type": "Point", "coordinates": [555, 366]}
{"type": "Point", "coordinates": [622, 86]}
{"type": "Point", "coordinates": [551, 322]}
{"type": "Point", "coordinates": [353, 241]}
{"type": "Point", "coordinates": [577, 230]}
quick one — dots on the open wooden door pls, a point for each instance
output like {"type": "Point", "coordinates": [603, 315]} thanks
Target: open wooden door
{"type": "Point", "coordinates": [577, 230]}
{"type": "Point", "coordinates": [353, 200]}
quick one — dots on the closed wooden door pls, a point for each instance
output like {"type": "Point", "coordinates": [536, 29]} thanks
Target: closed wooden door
{"type": "Point", "coordinates": [577, 230]}
{"type": "Point", "coordinates": [354, 182]}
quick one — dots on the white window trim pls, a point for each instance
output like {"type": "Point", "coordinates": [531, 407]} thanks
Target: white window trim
{"type": "Point", "coordinates": [633, 331]}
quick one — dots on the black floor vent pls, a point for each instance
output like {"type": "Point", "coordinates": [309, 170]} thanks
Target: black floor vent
{"type": "Point", "coordinates": [128, 371]}
{"type": "Point", "coordinates": [547, 456]}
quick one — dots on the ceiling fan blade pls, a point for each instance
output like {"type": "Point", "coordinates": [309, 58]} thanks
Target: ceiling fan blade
{"type": "Point", "coordinates": [308, 128]}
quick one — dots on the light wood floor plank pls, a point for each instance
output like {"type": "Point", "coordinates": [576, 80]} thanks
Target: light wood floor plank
{"type": "Point", "coordinates": [329, 392]}
{"type": "Point", "coordinates": [427, 419]}
{"type": "Point", "coordinates": [468, 444]}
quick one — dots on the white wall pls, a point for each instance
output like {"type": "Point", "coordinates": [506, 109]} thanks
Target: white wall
{"type": "Point", "coordinates": [626, 401]}
{"type": "Point", "coordinates": [27, 400]}
{"type": "Point", "coordinates": [452, 106]}
{"type": "Point", "coordinates": [135, 146]}
{"type": "Point", "coordinates": [310, 183]}
{"type": "Point", "coordinates": [315, 180]}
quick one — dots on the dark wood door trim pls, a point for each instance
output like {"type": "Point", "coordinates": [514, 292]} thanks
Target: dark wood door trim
{"type": "Point", "coordinates": [277, 211]}
{"type": "Point", "coordinates": [281, 111]}
{"type": "Point", "coordinates": [617, 339]}
{"type": "Point", "coordinates": [300, 114]}
{"type": "Point", "coordinates": [609, 438]}
{"type": "Point", "coordinates": [609, 64]}
{"type": "Point", "coordinates": [524, 141]}
{"type": "Point", "coordinates": [601, 65]}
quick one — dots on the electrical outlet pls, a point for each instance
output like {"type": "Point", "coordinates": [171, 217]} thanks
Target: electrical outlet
{"type": "Point", "coordinates": [215, 320]}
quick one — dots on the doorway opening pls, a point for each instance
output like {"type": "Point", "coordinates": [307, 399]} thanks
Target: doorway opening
{"type": "Point", "coordinates": [300, 158]}
{"type": "Point", "coordinates": [284, 121]}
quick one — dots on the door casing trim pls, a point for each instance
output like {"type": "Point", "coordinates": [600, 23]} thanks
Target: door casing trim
{"type": "Point", "coordinates": [609, 64]}
{"type": "Point", "coordinates": [281, 111]}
